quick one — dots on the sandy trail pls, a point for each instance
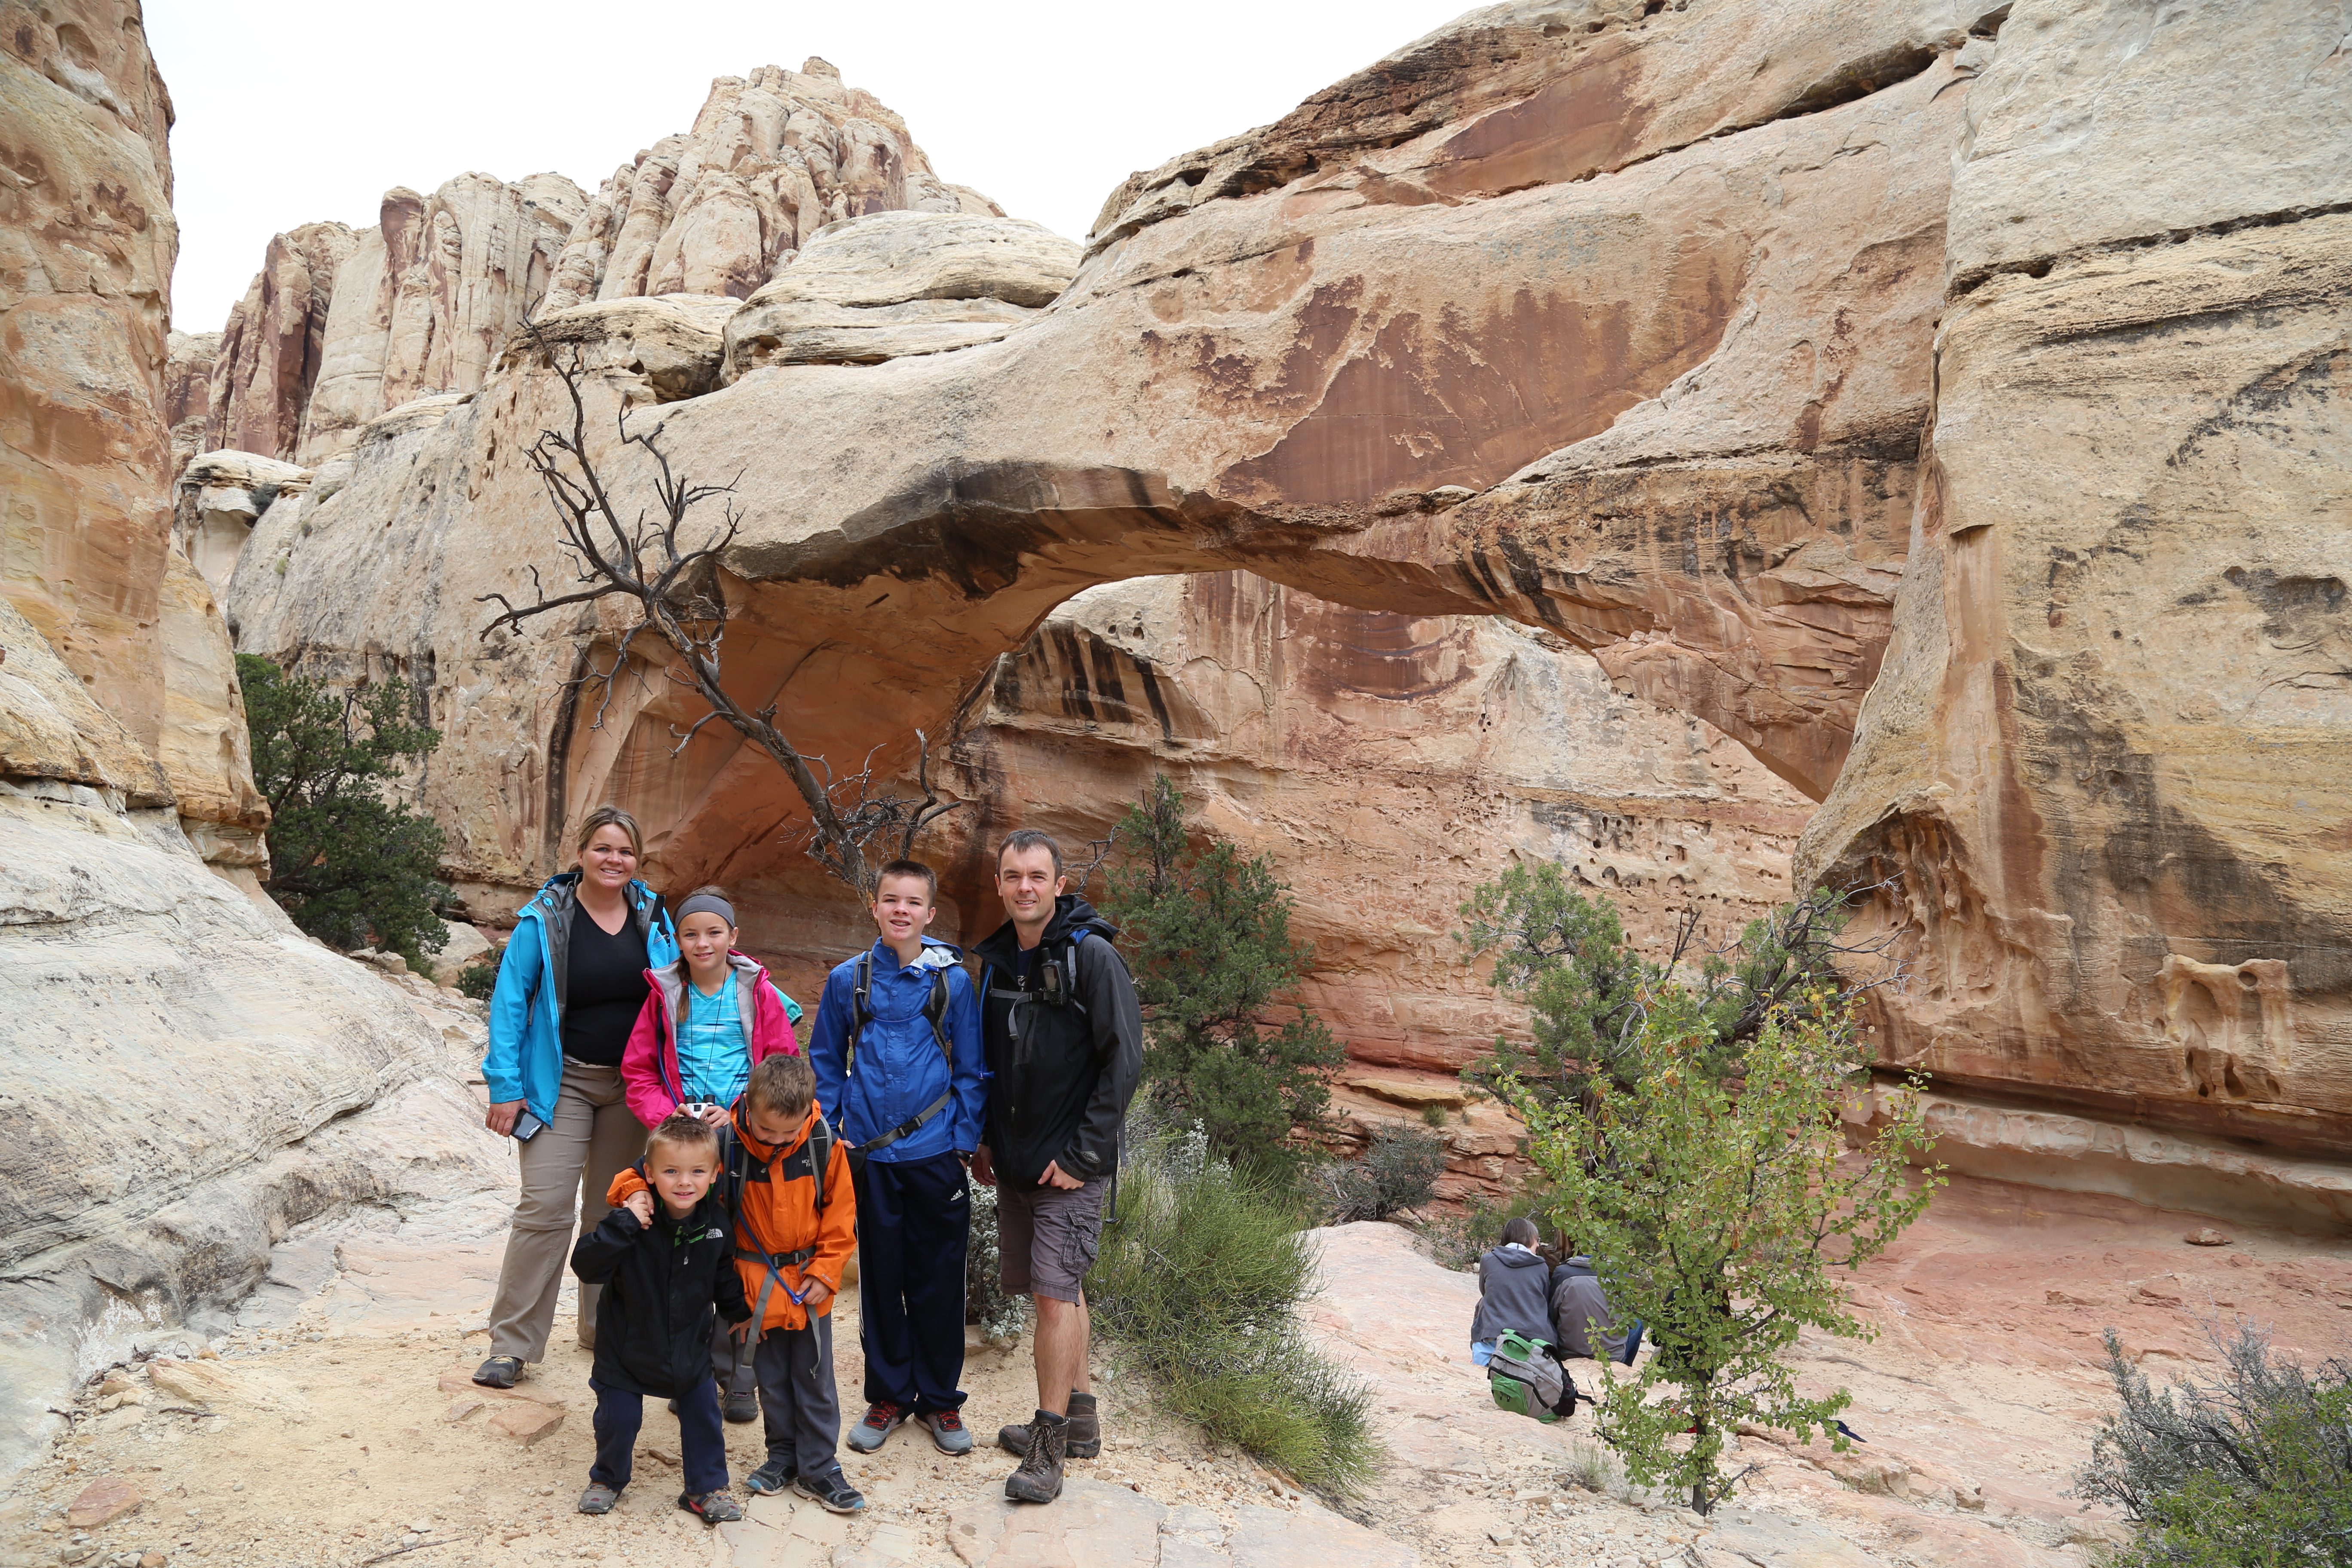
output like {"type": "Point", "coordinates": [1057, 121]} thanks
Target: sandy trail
{"type": "Point", "coordinates": [335, 1426]}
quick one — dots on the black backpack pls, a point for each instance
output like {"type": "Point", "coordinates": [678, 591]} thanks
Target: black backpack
{"type": "Point", "coordinates": [861, 1013]}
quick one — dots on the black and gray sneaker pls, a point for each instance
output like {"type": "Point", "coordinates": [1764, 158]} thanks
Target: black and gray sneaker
{"type": "Point", "coordinates": [499, 1371]}
{"type": "Point", "coordinates": [831, 1492]}
{"type": "Point", "coordinates": [743, 1407]}
{"type": "Point", "coordinates": [599, 1497]}
{"type": "Point", "coordinates": [711, 1508]}
{"type": "Point", "coordinates": [775, 1476]}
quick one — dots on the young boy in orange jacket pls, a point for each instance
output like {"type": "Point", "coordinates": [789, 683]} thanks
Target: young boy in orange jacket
{"type": "Point", "coordinates": [794, 1232]}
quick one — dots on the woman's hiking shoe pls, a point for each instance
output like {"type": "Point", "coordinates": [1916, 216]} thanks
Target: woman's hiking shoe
{"type": "Point", "coordinates": [711, 1508]}
{"type": "Point", "coordinates": [948, 1430]}
{"type": "Point", "coordinates": [882, 1418]}
{"type": "Point", "coordinates": [1039, 1478]}
{"type": "Point", "coordinates": [834, 1493]}
{"type": "Point", "coordinates": [1082, 1441]}
{"type": "Point", "coordinates": [743, 1407]}
{"type": "Point", "coordinates": [598, 1498]}
{"type": "Point", "coordinates": [771, 1478]}
{"type": "Point", "coordinates": [499, 1372]}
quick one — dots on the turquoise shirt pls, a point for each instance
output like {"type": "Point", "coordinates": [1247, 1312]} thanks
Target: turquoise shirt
{"type": "Point", "coordinates": [714, 1059]}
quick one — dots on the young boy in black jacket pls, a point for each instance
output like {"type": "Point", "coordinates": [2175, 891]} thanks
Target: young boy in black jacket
{"type": "Point", "coordinates": [664, 1264]}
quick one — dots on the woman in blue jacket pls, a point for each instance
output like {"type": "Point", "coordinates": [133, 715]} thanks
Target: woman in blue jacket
{"type": "Point", "coordinates": [570, 985]}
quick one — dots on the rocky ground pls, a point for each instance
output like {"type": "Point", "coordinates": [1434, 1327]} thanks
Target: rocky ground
{"type": "Point", "coordinates": [334, 1428]}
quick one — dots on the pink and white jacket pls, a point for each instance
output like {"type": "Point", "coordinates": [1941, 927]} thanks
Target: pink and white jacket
{"type": "Point", "coordinates": [649, 1071]}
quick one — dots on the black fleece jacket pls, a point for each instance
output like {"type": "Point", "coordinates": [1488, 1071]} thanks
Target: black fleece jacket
{"type": "Point", "coordinates": [1062, 1075]}
{"type": "Point", "coordinates": [661, 1282]}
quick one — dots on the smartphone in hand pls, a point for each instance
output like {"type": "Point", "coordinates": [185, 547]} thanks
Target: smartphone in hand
{"type": "Point", "coordinates": [528, 1127]}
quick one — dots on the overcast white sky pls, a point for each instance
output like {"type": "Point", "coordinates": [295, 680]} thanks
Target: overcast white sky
{"type": "Point", "coordinates": [290, 110]}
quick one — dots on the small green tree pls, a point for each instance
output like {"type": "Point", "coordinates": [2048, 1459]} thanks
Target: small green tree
{"type": "Point", "coordinates": [2253, 1471]}
{"type": "Point", "coordinates": [1569, 958]}
{"type": "Point", "coordinates": [1214, 958]}
{"type": "Point", "coordinates": [346, 865]}
{"type": "Point", "coordinates": [1717, 1212]}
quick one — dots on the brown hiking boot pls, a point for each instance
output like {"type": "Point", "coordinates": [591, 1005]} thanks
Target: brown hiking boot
{"type": "Point", "coordinates": [1039, 1478]}
{"type": "Point", "coordinates": [1082, 1441]}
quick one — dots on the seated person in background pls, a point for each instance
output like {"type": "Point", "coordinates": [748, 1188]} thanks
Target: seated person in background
{"type": "Point", "coordinates": [1584, 1322]}
{"type": "Point", "coordinates": [1513, 1292]}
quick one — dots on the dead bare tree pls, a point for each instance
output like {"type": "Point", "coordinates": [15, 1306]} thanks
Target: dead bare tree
{"type": "Point", "coordinates": [670, 572]}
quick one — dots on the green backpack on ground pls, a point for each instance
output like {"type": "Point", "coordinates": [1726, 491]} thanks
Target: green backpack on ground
{"type": "Point", "coordinates": [1524, 1379]}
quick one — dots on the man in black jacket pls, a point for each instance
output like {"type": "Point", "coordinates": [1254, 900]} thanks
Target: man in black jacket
{"type": "Point", "coordinates": [1064, 1040]}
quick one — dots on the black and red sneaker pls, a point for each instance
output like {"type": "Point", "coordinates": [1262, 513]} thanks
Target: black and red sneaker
{"type": "Point", "coordinates": [882, 1418]}
{"type": "Point", "coordinates": [711, 1508]}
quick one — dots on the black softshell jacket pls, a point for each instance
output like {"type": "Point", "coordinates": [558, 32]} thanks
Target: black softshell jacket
{"type": "Point", "coordinates": [661, 1282]}
{"type": "Point", "coordinates": [1062, 1076]}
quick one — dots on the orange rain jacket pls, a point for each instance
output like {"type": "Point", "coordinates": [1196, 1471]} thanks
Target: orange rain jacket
{"type": "Point", "coordinates": [776, 1213]}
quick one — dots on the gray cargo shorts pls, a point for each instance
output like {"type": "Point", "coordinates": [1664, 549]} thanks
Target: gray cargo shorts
{"type": "Point", "coordinates": [1047, 1238]}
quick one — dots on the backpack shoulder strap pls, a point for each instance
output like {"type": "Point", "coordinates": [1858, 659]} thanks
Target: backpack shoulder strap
{"type": "Point", "coordinates": [936, 1011]}
{"type": "Point", "coordinates": [820, 1142]}
{"type": "Point", "coordinates": [861, 1011]}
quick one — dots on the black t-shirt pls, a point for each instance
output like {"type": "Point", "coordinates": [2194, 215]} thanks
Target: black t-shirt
{"type": "Point", "coordinates": [604, 989]}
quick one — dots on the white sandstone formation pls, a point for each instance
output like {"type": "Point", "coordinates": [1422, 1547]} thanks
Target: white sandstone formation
{"type": "Point", "coordinates": [876, 289]}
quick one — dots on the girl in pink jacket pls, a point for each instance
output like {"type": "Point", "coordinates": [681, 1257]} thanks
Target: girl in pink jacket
{"type": "Point", "coordinates": [706, 1019]}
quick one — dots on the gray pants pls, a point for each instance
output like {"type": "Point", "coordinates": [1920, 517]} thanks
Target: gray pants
{"type": "Point", "coordinates": [736, 1366]}
{"type": "Point", "coordinates": [798, 1403]}
{"type": "Point", "coordinates": [565, 1171]}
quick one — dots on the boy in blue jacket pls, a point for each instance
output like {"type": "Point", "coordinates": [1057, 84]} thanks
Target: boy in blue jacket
{"type": "Point", "coordinates": [902, 1076]}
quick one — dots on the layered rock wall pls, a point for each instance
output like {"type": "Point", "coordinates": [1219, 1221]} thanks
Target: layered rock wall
{"type": "Point", "coordinates": [174, 1056]}
{"type": "Point", "coordinates": [2106, 755]}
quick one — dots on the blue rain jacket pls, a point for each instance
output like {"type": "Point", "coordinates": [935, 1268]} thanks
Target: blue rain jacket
{"type": "Point", "coordinates": [899, 1070]}
{"type": "Point", "coordinates": [525, 1060]}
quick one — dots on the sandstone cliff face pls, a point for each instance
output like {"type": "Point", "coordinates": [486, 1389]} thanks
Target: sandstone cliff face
{"type": "Point", "coordinates": [340, 327]}
{"type": "Point", "coordinates": [87, 242]}
{"type": "Point", "coordinates": [183, 1075]}
{"type": "Point", "coordinates": [2107, 753]}
{"type": "Point", "coordinates": [1388, 764]}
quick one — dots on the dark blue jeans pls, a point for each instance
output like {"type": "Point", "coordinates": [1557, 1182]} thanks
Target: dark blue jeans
{"type": "Point", "coordinates": [914, 1227]}
{"type": "Point", "coordinates": [701, 1437]}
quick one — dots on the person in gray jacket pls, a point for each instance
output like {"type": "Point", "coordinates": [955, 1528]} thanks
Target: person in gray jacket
{"type": "Point", "coordinates": [1512, 1292]}
{"type": "Point", "coordinates": [1585, 1324]}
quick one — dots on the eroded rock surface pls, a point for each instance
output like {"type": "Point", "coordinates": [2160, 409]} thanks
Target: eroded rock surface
{"type": "Point", "coordinates": [2106, 754]}
{"type": "Point", "coordinates": [340, 326]}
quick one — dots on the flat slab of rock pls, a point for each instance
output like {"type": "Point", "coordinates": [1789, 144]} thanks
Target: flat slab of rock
{"type": "Point", "coordinates": [108, 1497]}
{"type": "Point", "coordinates": [526, 1423]}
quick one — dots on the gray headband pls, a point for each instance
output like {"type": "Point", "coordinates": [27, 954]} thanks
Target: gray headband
{"type": "Point", "coordinates": [707, 903]}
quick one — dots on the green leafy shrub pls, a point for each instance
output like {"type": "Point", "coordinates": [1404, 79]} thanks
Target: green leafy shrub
{"type": "Point", "coordinates": [347, 865]}
{"type": "Point", "coordinates": [1586, 988]}
{"type": "Point", "coordinates": [1199, 1280]}
{"type": "Point", "coordinates": [1434, 1114]}
{"type": "Point", "coordinates": [1717, 1213]}
{"type": "Point", "coordinates": [479, 978]}
{"type": "Point", "coordinates": [2254, 1469]}
{"type": "Point", "coordinates": [1398, 1170]}
{"type": "Point", "coordinates": [1213, 958]}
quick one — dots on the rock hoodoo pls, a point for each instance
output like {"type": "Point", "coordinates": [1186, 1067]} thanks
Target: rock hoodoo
{"type": "Point", "coordinates": [340, 327]}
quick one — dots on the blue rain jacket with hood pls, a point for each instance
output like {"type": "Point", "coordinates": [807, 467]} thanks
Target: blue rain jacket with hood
{"type": "Point", "coordinates": [900, 1068]}
{"type": "Point", "coordinates": [525, 1060]}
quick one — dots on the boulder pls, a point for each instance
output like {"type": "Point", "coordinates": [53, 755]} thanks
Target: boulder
{"type": "Point", "coordinates": [874, 288]}
{"type": "Point", "coordinates": [466, 947]}
{"type": "Point", "coordinates": [669, 347]}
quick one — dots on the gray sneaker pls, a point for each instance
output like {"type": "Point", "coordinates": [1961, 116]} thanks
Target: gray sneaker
{"type": "Point", "coordinates": [882, 1418]}
{"type": "Point", "coordinates": [948, 1430]}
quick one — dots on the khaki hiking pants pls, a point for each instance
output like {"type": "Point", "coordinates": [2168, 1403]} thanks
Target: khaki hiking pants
{"type": "Point", "coordinates": [565, 1171]}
